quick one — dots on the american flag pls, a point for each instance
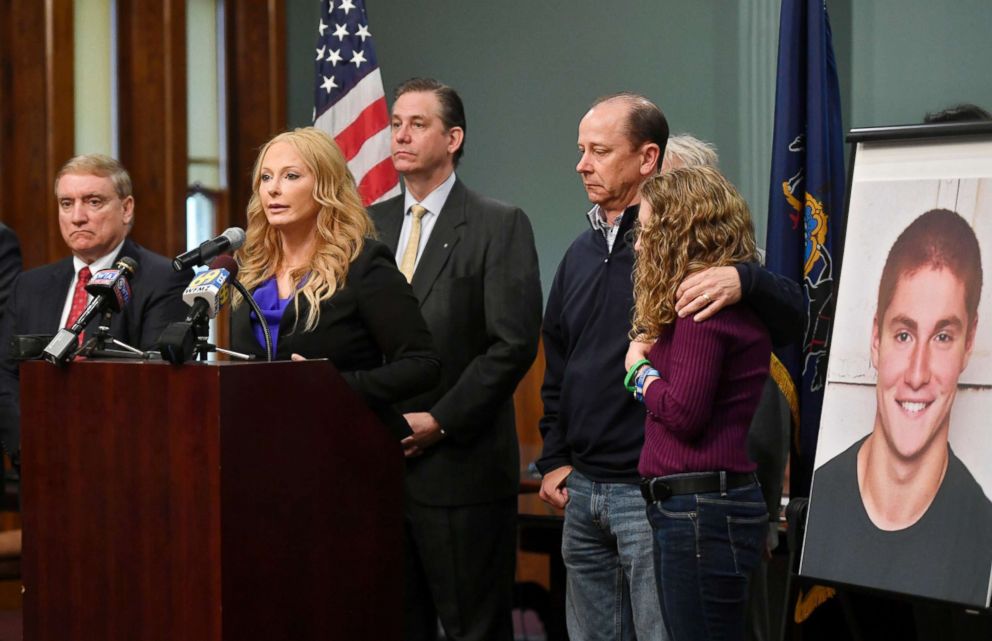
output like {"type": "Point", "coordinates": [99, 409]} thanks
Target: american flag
{"type": "Point", "coordinates": [349, 102]}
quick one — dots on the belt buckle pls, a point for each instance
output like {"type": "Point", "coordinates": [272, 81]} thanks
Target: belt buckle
{"type": "Point", "coordinates": [660, 490]}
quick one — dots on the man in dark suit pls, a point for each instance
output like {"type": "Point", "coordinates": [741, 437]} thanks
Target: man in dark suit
{"type": "Point", "coordinates": [473, 267]}
{"type": "Point", "coordinates": [96, 212]}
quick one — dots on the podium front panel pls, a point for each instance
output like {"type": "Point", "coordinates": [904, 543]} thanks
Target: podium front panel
{"type": "Point", "coordinates": [210, 501]}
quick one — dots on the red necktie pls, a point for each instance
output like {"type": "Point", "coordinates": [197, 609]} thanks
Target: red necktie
{"type": "Point", "coordinates": [79, 299]}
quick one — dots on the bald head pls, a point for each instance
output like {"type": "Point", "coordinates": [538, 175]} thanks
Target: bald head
{"type": "Point", "coordinates": [644, 121]}
{"type": "Point", "coordinates": [621, 141]}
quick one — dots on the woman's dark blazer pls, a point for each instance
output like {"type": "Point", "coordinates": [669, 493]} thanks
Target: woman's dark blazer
{"type": "Point", "coordinates": [371, 330]}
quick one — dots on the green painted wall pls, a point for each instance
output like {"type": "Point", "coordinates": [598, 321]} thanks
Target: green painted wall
{"type": "Point", "coordinates": [913, 56]}
{"type": "Point", "coordinates": [527, 71]}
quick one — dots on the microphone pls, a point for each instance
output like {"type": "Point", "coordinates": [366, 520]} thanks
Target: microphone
{"type": "Point", "coordinates": [231, 239]}
{"type": "Point", "coordinates": [209, 292]}
{"type": "Point", "coordinates": [111, 291]}
{"type": "Point", "coordinates": [206, 295]}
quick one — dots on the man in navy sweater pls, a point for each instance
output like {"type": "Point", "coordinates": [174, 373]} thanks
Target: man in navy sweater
{"type": "Point", "coordinates": [593, 429]}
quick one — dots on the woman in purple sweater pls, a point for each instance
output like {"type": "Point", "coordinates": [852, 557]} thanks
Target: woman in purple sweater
{"type": "Point", "coordinates": [701, 383]}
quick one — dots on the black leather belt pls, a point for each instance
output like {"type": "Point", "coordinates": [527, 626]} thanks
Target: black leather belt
{"type": "Point", "coordinates": [662, 487]}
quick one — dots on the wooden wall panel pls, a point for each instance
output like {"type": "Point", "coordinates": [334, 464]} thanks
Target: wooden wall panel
{"type": "Point", "coordinates": [255, 31]}
{"type": "Point", "coordinates": [151, 67]}
{"type": "Point", "coordinates": [528, 406]}
{"type": "Point", "coordinates": [36, 120]}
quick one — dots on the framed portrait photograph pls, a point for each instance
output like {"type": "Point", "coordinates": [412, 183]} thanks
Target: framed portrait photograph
{"type": "Point", "coordinates": [899, 500]}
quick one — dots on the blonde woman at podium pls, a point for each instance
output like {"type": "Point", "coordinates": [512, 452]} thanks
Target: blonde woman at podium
{"type": "Point", "coordinates": [325, 286]}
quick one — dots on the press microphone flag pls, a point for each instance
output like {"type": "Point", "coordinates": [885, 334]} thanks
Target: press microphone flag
{"type": "Point", "coordinates": [208, 292]}
{"type": "Point", "coordinates": [231, 239]}
{"type": "Point", "coordinates": [111, 290]}
{"type": "Point", "coordinates": [109, 283]}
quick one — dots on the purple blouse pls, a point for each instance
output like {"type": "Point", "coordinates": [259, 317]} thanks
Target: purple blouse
{"type": "Point", "coordinates": [273, 308]}
{"type": "Point", "coordinates": [700, 410]}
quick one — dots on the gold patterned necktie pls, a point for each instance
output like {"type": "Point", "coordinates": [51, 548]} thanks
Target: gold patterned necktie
{"type": "Point", "coordinates": [413, 243]}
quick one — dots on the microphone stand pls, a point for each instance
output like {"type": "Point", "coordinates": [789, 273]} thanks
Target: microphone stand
{"type": "Point", "coordinates": [202, 346]}
{"type": "Point", "coordinates": [99, 344]}
{"type": "Point", "coordinates": [258, 314]}
{"type": "Point", "coordinates": [201, 331]}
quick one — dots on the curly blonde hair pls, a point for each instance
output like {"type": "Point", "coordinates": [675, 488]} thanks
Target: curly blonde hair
{"type": "Point", "coordinates": [342, 225]}
{"type": "Point", "coordinates": [698, 220]}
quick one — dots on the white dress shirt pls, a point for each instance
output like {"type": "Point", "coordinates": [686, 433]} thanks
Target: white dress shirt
{"type": "Point", "coordinates": [433, 203]}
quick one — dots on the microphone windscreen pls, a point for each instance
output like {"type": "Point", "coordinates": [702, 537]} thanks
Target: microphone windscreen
{"type": "Point", "coordinates": [128, 265]}
{"type": "Point", "coordinates": [236, 235]}
{"type": "Point", "coordinates": [225, 262]}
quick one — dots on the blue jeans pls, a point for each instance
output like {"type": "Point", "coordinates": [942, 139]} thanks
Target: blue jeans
{"type": "Point", "coordinates": [705, 548]}
{"type": "Point", "coordinates": [611, 593]}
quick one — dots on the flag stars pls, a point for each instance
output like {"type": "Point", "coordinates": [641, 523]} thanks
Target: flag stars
{"type": "Point", "coordinates": [322, 27]}
{"type": "Point", "coordinates": [333, 56]}
{"type": "Point", "coordinates": [320, 53]}
{"type": "Point", "coordinates": [328, 84]}
{"type": "Point", "coordinates": [358, 58]}
{"type": "Point", "coordinates": [341, 31]}
{"type": "Point", "coordinates": [363, 32]}
{"type": "Point", "coordinates": [346, 6]}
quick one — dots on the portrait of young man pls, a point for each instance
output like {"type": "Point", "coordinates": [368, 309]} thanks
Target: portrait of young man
{"type": "Point", "coordinates": [898, 510]}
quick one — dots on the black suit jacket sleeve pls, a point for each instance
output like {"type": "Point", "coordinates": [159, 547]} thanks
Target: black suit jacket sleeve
{"type": "Point", "coordinates": [512, 302]}
{"type": "Point", "coordinates": [776, 299]}
{"type": "Point", "coordinates": [10, 262]}
{"type": "Point", "coordinates": [392, 316]}
{"type": "Point", "coordinates": [10, 415]}
{"type": "Point", "coordinates": [555, 452]}
{"type": "Point", "coordinates": [10, 267]}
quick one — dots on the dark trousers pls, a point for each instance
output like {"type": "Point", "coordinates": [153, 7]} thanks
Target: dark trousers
{"type": "Point", "coordinates": [460, 567]}
{"type": "Point", "coordinates": [706, 547]}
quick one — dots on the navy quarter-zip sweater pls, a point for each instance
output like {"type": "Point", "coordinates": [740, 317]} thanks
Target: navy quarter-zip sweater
{"type": "Point", "coordinates": [590, 421]}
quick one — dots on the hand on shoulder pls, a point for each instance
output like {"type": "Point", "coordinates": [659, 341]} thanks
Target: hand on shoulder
{"type": "Point", "coordinates": [707, 292]}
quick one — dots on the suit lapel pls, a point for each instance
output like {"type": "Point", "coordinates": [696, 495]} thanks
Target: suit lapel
{"type": "Point", "coordinates": [284, 347]}
{"type": "Point", "coordinates": [129, 249]}
{"type": "Point", "coordinates": [52, 299]}
{"type": "Point", "coordinates": [391, 223]}
{"type": "Point", "coordinates": [291, 329]}
{"type": "Point", "coordinates": [444, 237]}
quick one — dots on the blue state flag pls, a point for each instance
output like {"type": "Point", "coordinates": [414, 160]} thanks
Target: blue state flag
{"type": "Point", "coordinates": [806, 210]}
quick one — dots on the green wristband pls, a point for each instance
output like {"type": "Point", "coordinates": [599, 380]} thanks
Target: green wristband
{"type": "Point", "coordinates": [632, 372]}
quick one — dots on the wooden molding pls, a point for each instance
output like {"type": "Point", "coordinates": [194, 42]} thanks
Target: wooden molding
{"type": "Point", "coordinates": [255, 32]}
{"type": "Point", "coordinates": [36, 120]}
{"type": "Point", "coordinates": [152, 124]}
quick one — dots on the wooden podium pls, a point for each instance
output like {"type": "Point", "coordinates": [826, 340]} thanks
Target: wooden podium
{"type": "Point", "coordinates": [207, 502]}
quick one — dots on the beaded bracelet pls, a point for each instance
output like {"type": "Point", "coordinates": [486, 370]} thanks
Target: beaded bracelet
{"type": "Point", "coordinates": [632, 372]}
